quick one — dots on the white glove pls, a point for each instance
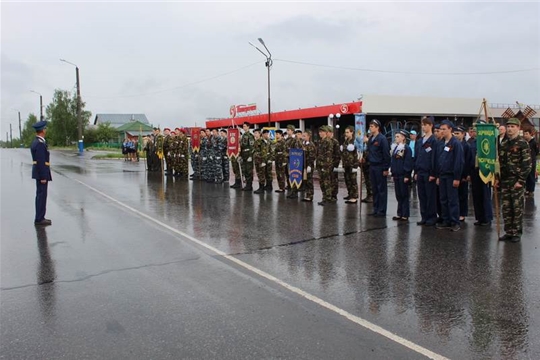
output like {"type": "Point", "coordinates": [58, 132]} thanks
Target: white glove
{"type": "Point", "coordinates": [350, 147]}
{"type": "Point", "coordinates": [308, 170]}
{"type": "Point", "coordinates": [341, 147]}
{"type": "Point", "coordinates": [249, 159]}
{"type": "Point", "coordinates": [204, 159]}
{"type": "Point", "coordinates": [211, 158]}
{"type": "Point", "coordinates": [354, 170]}
{"type": "Point", "coordinates": [284, 164]}
{"type": "Point", "coordinates": [239, 159]}
{"type": "Point", "coordinates": [263, 164]}
{"type": "Point", "coordinates": [336, 170]}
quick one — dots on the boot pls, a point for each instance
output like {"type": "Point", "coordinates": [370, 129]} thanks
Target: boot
{"type": "Point", "coordinates": [293, 195]}
{"type": "Point", "coordinates": [260, 190]}
{"type": "Point", "coordinates": [237, 184]}
{"type": "Point", "coordinates": [248, 186]}
{"type": "Point", "coordinates": [268, 188]}
{"type": "Point", "coordinates": [367, 199]}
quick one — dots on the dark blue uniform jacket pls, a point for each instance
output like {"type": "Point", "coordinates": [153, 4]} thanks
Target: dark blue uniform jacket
{"type": "Point", "coordinates": [41, 169]}
{"type": "Point", "coordinates": [379, 151]}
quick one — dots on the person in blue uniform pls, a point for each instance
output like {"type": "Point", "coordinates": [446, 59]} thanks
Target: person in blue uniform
{"type": "Point", "coordinates": [41, 172]}
{"type": "Point", "coordinates": [401, 167]}
{"type": "Point", "coordinates": [481, 192]}
{"type": "Point", "coordinates": [449, 172]}
{"type": "Point", "coordinates": [424, 172]}
{"type": "Point", "coordinates": [379, 162]}
{"type": "Point", "coordinates": [468, 165]}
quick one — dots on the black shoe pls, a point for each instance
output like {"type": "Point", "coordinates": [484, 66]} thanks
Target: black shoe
{"type": "Point", "coordinates": [481, 223]}
{"type": "Point", "coordinates": [421, 222]}
{"type": "Point", "coordinates": [269, 188]}
{"type": "Point", "coordinates": [367, 199]}
{"type": "Point", "coordinates": [404, 219]}
{"type": "Point", "coordinates": [292, 196]}
{"type": "Point", "coordinates": [248, 187]}
{"type": "Point", "coordinates": [346, 198]}
{"type": "Point", "coordinates": [322, 203]}
{"type": "Point", "coordinates": [237, 185]}
{"type": "Point", "coordinates": [396, 218]}
{"type": "Point", "coordinates": [455, 227]}
{"type": "Point", "coordinates": [280, 191]}
{"type": "Point", "coordinates": [260, 190]}
{"type": "Point", "coordinates": [515, 239]}
{"type": "Point", "coordinates": [44, 222]}
{"type": "Point", "coordinates": [505, 237]}
{"type": "Point", "coordinates": [442, 226]}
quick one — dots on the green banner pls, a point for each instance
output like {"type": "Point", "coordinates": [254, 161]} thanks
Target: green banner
{"type": "Point", "coordinates": [486, 151]}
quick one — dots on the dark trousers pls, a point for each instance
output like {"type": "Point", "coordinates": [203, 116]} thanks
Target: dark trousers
{"type": "Point", "coordinates": [530, 182]}
{"type": "Point", "coordinates": [402, 196]}
{"type": "Point", "coordinates": [449, 200]}
{"type": "Point", "coordinates": [463, 192]}
{"type": "Point", "coordinates": [41, 200]}
{"type": "Point", "coordinates": [427, 196]}
{"type": "Point", "coordinates": [481, 194]}
{"type": "Point", "coordinates": [380, 189]}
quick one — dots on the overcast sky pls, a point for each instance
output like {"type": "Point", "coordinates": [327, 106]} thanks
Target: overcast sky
{"type": "Point", "coordinates": [146, 57]}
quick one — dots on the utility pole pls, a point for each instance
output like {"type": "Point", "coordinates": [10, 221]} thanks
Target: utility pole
{"type": "Point", "coordinates": [41, 107]}
{"type": "Point", "coordinates": [268, 65]}
{"type": "Point", "coordinates": [10, 135]}
{"type": "Point", "coordinates": [79, 107]}
{"type": "Point", "coordinates": [20, 129]}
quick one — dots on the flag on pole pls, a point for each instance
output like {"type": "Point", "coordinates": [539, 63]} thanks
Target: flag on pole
{"type": "Point", "coordinates": [486, 150]}
{"type": "Point", "coordinates": [296, 167]}
{"type": "Point", "coordinates": [195, 138]}
{"type": "Point", "coordinates": [360, 128]}
{"type": "Point", "coordinates": [233, 139]}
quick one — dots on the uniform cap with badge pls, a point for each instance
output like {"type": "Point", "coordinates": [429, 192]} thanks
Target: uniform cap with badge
{"type": "Point", "coordinates": [40, 125]}
{"type": "Point", "coordinates": [513, 121]}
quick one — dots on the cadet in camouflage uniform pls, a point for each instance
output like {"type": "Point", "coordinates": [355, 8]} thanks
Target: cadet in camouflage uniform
{"type": "Point", "coordinates": [269, 158]}
{"type": "Point", "coordinates": [295, 142]}
{"type": "Point", "coordinates": [515, 160]}
{"type": "Point", "coordinates": [290, 138]}
{"type": "Point", "coordinates": [224, 157]}
{"type": "Point", "coordinates": [158, 148]}
{"type": "Point", "coordinates": [217, 171]}
{"type": "Point", "coordinates": [173, 153]}
{"type": "Point", "coordinates": [280, 158]}
{"type": "Point", "coordinates": [246, 155]}
{"type": "Point", "coordinates": [349, 156]}
{"type": "Point", "coordinates": [183, 154]}
{"type": "Point", "coordinates": [259, 160]}
{"type": "Point", "coordinates": [309, 164]}
{"type": "Point", "coordinates": [364, 164]}
{"type": "Point", "coordinates": [166, 148]}
{"type": "Point", "coordinates": [336, 159]}
{"type": "Point", "coordinates": [204, 154]}
{"type": "Point", "coordinates": [325, 165]}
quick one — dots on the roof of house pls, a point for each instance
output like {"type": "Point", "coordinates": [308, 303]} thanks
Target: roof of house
{"type": "Point", "coordinates": [134, 126]}
{"type": "Point", "coordinates": [119, 119]}
{"type": "Point", "coordinates": [420, 105]}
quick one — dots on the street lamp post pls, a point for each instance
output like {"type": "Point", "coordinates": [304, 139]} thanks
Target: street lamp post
{"type": "Point", "coordinates": [79, 115]}
{"type": "Point", "coordinates": [20, 129]}
{"type": "Point", "coordinates": [268, 64]}
{"type": "Point", "coordinates": [40, 104]}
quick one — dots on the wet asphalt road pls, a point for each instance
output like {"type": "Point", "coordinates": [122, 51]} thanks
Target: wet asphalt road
{"type": "Point", "coordinates": [106, 282]}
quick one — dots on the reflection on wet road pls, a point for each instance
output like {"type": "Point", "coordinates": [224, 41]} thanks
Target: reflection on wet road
{"type": "Point", "coordinates": [460, 295]}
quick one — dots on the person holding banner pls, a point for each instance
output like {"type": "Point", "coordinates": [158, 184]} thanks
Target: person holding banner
{"type": "Point", "coordinates": [288, 141]}
{"type": "Point", "coordinates": [402, 167]}
{"type": "Point", "coordinates": [295, 143]}
{"type": "Point", "coordinates": [246, 155]}
{"type": "Point", "coordinates": [349, 157]}
{"type": "Point", "coordinates": [280, 159]}
{"type": "Point", "coordinates": [481, 191]}
{"type": "Point", "coordinates": [310, 154]}
{"type": "Point", "coordinates": [379, 163]}
{"type": "Point", "coordinates": [515, 160]}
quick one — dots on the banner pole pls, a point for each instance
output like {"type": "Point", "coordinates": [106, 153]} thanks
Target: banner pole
{"type": "Point", "coordinates": [361, 157]}
{"type": "Point", "coordinates": [497, 210]}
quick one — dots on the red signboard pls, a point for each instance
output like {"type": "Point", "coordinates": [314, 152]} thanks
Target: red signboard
{"type": "Point", "coordinates": [233, 139]}
{"type": "Point", "coordinates": [240, 109]}
{"type": "Point", "coordinates": [195, 138]}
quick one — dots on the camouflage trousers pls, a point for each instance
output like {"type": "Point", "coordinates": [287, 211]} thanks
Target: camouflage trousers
{"type": "Point", "coordinates": [261, 173]}
{"type": "Point", "coordinates": [235, 167]}
{"type": "Point", "coordinates": [335, 183]}
{"type": "Point", "coordinates": [195, 164]}
{"type": "Point", "coordinates": [366, 179]}
{"type": "Point", "coordinates": [206, 168]}
{"type": "Point", "coordinates": [217, 170]}
{"type": "Point", "coordinates": [181, 166]}
{"type": "Point", "coordinates": [280, 173]}
{"type": "Point", "coordinates": [247, 169]}
{"type": "Point", "coordinates": [351, 182]}
{"type": "Point", "coordinates": [225, 167]}
{"type": "Point", "coordinates": [325, 179]}
{"type": "Point", "coordinates": [268, 173]}
{"type": "Point", "coordinates": [512, 208]}
{"type": "Point", "coordinates": [308, 184]}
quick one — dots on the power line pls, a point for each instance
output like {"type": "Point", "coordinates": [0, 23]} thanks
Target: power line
{"type": "Point", "coordinates": [176, 87]}
{"type": "Point", "coordinates": [407, 72]}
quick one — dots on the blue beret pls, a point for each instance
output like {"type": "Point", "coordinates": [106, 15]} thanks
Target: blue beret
{"type": "Point", "coordinates": [448, 123]}
{"type": "Point", "coordinates": [40, 125]}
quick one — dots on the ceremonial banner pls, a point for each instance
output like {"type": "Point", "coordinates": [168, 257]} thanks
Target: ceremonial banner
{"type": "Point", "coordinates": [271, 133]}
{"type": "Point", "coordinates": [296, 167]}
{"type": "Point", "coordinates": [233, 139]}
{"type": "Point", "coordinates": [486, 150]}
{"type": "Point", "coordinates": [195, 138]}
{"type": "Point", "coordinates": [359, 130]}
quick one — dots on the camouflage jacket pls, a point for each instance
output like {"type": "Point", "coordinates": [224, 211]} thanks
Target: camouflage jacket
{"type": "Point", "coordinates": [279, 154]}
{"type": "Point", "coordinates": [349, 157]}
{"type": "Point", "coordinates": [183, 147]}
{"type": "Point", "coordinates": [515, 160]}
{"type": "Point", "coordinates": [222, 145]}
{"type": "Point", "coordinates": [336, 156]}
{"type": "Point", "coordinates": [167, 142]}
{"type": "Point", "coordinates": [260, 151]}
{"type": "Point", "coordinates": [310, 154]}
{"type": "Point", "coordinates": [247, 141]}
{"type": "Point", "coordinates": [325, 154]}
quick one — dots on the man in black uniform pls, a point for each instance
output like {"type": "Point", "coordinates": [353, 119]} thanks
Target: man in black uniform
{"type": "Point", "coordinates": [41, 172]}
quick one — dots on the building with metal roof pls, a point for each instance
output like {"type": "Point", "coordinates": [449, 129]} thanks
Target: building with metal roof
{"type": "Point", "coordinates": [117, 120]}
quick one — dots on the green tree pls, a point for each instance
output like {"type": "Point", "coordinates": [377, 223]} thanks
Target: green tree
{"type": "Point", "coordinates": [62, 114]}
{"type": "Point", "coordinates": [28, 132]}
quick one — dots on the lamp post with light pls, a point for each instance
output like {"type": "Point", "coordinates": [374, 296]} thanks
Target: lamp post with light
{"type": "Point", "coordinates": [268, 64]}
{"type": "Point", "coordinates": [79, 116]}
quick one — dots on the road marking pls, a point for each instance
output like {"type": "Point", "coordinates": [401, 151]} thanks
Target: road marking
{"type": "Point", "coordinates": [355, 319]}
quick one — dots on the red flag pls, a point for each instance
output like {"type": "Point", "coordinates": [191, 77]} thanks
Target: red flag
{"type": "Point", "coordinates": [195, 138]}
{"type": "Point", "coordinates": [233, 139]}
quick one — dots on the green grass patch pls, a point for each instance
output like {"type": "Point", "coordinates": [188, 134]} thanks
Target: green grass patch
{"type": "Point", "coordinates": [108, 156]}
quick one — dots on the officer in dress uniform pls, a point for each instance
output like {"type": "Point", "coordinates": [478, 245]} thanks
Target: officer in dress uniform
{"type": "Point", "coordinates": [379, 163]}
{"type": "Point", "coordinates": [41, 172]}
{"type": "Point", "coordinates": [424, 172]}
{"type": "Point", "coordinates": [449, 172]}
{"type": "Point", "coordinates": [515, 160]}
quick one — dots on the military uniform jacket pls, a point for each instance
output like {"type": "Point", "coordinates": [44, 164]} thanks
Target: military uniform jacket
{"type": "Point", "coordinates": [260, 151]}
{"type": "Point", "coordinates": [246, 144]}
{"type": "Point", "coordinates": [450, 159]}
{"type": "Point", "coordinates": [402, 161]}
{"type": "Point", "coordinates": [515, 160]}
{"type": "Point", "coordinates": [336, 156]}
{"type": "Point", "coordinates": [167, 142]}
{"type": "Point", "coordinates": [204, 148]}
{"type": "Point", "coordinates": [41, 169]}
{"type": "Point", "coordinates": [424, 162]}
{"type": "Point", "coordinates": [222, 145]}
{"type": "Point", "coordinates": [325, 154]}
{"type": "Point", "coordinates": [468, 159]}
{"type": "Point", "coordinates": [310, 154]}
{"type": "Point", "coordinates": [279, 152]}
{"type": "Point", "coordinates": [349, 157]}
{"type": "Point", "coordinates": [379, 151]}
